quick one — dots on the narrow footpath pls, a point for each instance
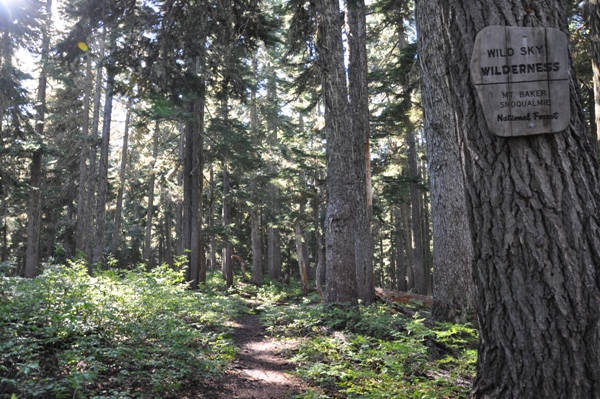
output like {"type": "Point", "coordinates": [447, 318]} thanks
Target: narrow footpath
{"type": "Point", "coordinates": [259, 370]}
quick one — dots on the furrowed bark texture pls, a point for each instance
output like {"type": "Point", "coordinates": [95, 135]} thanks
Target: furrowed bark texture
{"type": "Point", "coordinates": [533, 210]}
{"type": "Point", "coordinates": [359, 105]}
{"type": "Point", "coordinates": [340, 221]}
{"type": "Point", "coordinates": [593, 8]}
{"type": "Point", "coordinates": [453, 286]}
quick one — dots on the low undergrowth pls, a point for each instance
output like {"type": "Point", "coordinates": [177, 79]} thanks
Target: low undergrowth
{"type": "Point", "coordinates": [139, 334]}
{"type": "Point", "coordinates": [126, 334]}
{"type": "Point", "coordinates": [373, 352]}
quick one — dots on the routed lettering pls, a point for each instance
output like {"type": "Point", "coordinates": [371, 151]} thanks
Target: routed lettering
{"type": "Point", "coordinates": [521, 76]}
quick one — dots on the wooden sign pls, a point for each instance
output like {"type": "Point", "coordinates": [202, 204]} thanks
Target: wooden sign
{"type": "Point", "coordinates": [522, 79]}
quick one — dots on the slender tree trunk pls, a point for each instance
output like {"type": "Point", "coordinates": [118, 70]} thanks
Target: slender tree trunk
{"type": "Point", "coordinates": [168, 225]}
{"type": "Point", "coordinates": [533, 211]}
{"type": "Point", "coordinates": [198, 265]}
{"type": "Point", "coordinates": [211, 220]}
{"type": "Point", "coordinates": [179, 224]}
{"type": "Point", "coordinates": [34, 214]}
{"type": "Point", "coordinates": [150, 210]}
{"type": "Point", "coordinates": [359, 107]}
{"type": "Point", "coordinates": [82, 230]}
{"type": "Point", "coordinates": [92, 177]}
{"type": "Point", "coordinates": [188, 187]}
{"type": "Point", "coordinates": [408, 246]}
{"type": "Point", "coordinates": [401, 258]}
{"type": "Point", "coordinates": [273, 236]}
{"type": "Point", "coordinates": [227, 266]}
{"type": "Point", "coordinates": [302, 261]}
{"type": "Point", "coordinates": [255, 188]}
{"type": "Point", "coordinates": [340, 223]}
{"type": "Point", "coordinates": [100, 239]}
{"type": "Point", "coordinates": [256, 238]}
{"type": "Point", "coordinates": [318, 217]}
{"type": "Point", "coordinates": [119, 207]}
{"type": "Point", "coordinates": [418, 265]}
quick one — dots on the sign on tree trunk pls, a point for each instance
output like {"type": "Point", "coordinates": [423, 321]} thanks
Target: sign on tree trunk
{"type": "Point", "coordinates": [522, 79]}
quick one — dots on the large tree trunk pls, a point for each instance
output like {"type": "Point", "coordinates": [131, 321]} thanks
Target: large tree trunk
{"type": "Point", "coordinates": [453, 286]}
{"type": "Point", "coordinates": [532, 206]}
{"type": "Point", "coordinates": [341, 207]}
{"type": "Point", "coordinates": [359, 107]}
{"type": "Point", "coordinates": [192, 184]}
{"type": "Point", "coordinates": [34, 214]}
{"type": "Point", "coordinates": [119, 207]}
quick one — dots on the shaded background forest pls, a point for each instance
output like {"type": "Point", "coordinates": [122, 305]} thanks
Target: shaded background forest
{"type": "Point", "coordinates": [141, 96]}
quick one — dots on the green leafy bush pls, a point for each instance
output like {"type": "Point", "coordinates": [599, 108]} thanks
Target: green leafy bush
{"type": "Point", "coordinates": [373, 352]}
{"type": "Point", "coordinates": [114, 335]}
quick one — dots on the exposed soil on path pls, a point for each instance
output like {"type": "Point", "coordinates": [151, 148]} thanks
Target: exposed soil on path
{"type": "Point", "coordinates": [259, 371]}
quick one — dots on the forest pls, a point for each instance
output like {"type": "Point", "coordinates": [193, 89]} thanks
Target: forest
{"type": "Point", "coordinates": [169, 167]}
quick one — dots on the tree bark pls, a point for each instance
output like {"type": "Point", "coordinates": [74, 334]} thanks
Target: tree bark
{"type": "Point", "coordinates": [340, 222]}
{"type": "Point", "coordinates": [401, 258]}
{"type": "Point", "coordinates": [34, 214]}
{"type": "Point", "coordinates": [197, 255]}
{"type": "Point", "coordinates": [532, 206]}
{"type": "Point", "coordinates": [179, 224]}
{"type": "Point", "coordinates": [82, 229]}
{"type": "Point", "coordinates": [453, 285]}
{"type": "Point", "coordinates": [418, 265]}
{"type": "Point", "coordinates": [150, 210]}
{"type": "Point", "coordinates": [273, 236]}
{"type": "Point", "coordinates": [255, 188]}
{"type": "Point", "coordinates": [168, 225]}
{"type": "Point", "coordinates": [100, 239]}
{"type": "Point", "coordinates": [92, 176]}
{"type": "Point", "coordinates": [211, 220]}
{"type": "Point", "coordinates": [318, 217]}
{"type": "Point", "coordinates": [119, 207]}
{"type": "Point", "coordinates": [192, 183]}
{"type": "Point", "coordinates": [359, 107]}
{"type": "Point", "coordinates": [593, 8]}
{"type": "Point", "coordinates": [227, 266]}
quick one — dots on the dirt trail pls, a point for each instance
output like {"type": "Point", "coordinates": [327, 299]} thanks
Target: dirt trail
{"type": "Point", "coordinates": [259, 370]}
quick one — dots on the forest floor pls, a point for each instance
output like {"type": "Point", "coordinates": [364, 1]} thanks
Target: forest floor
{"type": "Point", "coordinates": [138, 334]}
{"type": "Point", "coordinates": [260, 370]}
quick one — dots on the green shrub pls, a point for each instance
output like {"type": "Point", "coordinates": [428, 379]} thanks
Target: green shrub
{"type": "Point", "coordinates": [114, 335]}
{"type": "Point", "coordinates": [373, 352]}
